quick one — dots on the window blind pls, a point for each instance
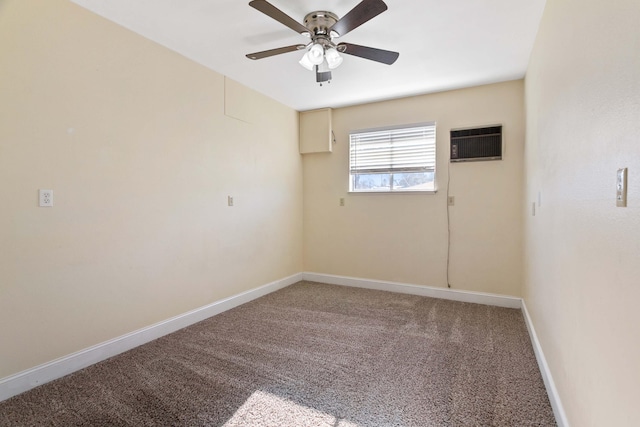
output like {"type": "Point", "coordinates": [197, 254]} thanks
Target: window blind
{"type": "Point", "coordinates": [411, 149]}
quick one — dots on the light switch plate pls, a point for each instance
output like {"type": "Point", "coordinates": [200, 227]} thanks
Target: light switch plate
{"type": "Point", "coordinates": [621, 188]}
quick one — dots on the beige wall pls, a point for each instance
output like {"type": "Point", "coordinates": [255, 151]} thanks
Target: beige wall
{"type": "Point", "coordinates": [403, 238]}
{"type": "Point", "coordinates": [582, 280]}
{"type": "Point", "coordinates": [134, 142]}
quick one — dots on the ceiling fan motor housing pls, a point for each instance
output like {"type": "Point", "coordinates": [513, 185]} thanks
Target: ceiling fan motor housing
{"type": "Point", "coordinates": [319, 23]}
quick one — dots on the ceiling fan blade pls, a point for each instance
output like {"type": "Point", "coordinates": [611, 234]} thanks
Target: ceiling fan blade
{"type": "Point", "coordinates": [364, 11]}
{"type": "Point", "coordinates": [385, 56]}
{"type": "Point", "coordinates": [272, 52]}
{"type": "Point", "coordinates": [275, 13]}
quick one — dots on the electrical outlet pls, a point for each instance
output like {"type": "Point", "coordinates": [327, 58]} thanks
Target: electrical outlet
{"type": "Point", "coordinates": [451, 200]}
{"type": "Point", "coordinates": [230, 200]}
{"type": "Point", "coordinates": [341, 201]}
{"type": "Point", "coordinates": [45, 198]}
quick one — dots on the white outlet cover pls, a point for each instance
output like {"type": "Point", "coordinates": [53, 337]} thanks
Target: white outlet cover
{"type": "Point", "coordinates": [45, 198]}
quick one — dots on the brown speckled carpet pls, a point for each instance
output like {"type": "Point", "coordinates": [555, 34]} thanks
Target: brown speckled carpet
{"type": "Point", "coordinates": [312, 355]}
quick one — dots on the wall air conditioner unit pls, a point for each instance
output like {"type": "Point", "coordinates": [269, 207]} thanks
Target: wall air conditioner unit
{"type": "Point", "coordinates": [468, 145]}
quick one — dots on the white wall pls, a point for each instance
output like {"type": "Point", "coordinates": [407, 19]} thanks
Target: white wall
{"type": "Point", "coordinates": [135, 143]}
{"type": "Point", "coordinates": [582, 271]}
{"type": "Point", "coordinates": [403, 238]}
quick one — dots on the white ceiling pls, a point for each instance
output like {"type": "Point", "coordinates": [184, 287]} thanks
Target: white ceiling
{"type": "Point", "coordinates": [443, 45]}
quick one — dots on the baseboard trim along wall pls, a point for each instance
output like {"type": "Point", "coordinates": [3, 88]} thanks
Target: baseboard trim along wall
{"type": "Point", "coordinates": [552, 392]}
{"type": "Point", "coordinates": [425, 291]}
{"type": "Point", "coordinates": [26, 380]}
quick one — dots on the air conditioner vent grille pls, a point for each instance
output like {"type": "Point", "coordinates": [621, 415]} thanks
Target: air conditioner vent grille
{"type": "Point", "coordinates": [476, 144]}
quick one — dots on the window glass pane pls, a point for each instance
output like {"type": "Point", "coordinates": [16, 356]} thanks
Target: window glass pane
{"type": "Point", "coordinates": [371, 182]}
{"type": "Point", "coordinates": [413, 181]}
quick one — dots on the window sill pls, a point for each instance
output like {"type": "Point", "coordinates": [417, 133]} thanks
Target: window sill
{"type": "Point", "coordinates": [378, 193]}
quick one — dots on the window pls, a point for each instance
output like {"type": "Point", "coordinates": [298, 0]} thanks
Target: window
{"type": "Point", "coordinates": [393, 159]}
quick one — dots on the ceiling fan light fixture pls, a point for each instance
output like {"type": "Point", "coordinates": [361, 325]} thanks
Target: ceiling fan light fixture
{"type": "Point", "coordinates": [316, 54]}
{"type": "Point", "coordinates": [333, 58]}
{"type": "Point", "coordinates": [305, 62]}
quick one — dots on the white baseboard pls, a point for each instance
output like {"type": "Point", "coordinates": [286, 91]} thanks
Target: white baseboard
{"type": "Point", "coordinates": [552, 392]}
{"type": "Point", "coordinates": [425, 291]}
{"type": "Point", "coordinates": [26, 380]}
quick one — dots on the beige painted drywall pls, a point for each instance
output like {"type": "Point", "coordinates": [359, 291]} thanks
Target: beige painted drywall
{"type": "Point", "coordinates": [403, 238]}
{"type": "Point", "coordinates": [134, 142]}
{"type": "Point", "coordinates": [582, 270]}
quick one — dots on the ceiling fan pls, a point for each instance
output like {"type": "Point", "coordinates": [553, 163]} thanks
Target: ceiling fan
{"type": "Point", "coordinates": [322, 27]}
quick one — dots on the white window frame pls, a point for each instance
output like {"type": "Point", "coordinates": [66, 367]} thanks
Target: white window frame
{"type": "Point", "coordinates": [397, 159]}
